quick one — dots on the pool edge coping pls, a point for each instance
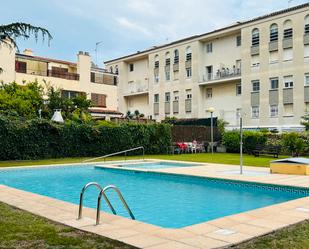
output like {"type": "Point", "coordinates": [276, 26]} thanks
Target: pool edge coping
{"type": "Point", "coordinates": [260, 219]}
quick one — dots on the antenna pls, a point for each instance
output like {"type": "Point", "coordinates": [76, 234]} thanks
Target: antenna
{"type": "Point", "coordinates": [96, 51]}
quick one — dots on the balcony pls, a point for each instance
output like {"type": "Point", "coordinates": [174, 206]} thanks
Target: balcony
{"type": "Point", "coordinates": [63, 75]}
{"type": "Point", "coordinates": [137, 88]}
{"type": "Point", "coordinates": [48, 73]}
{"type": "Point", "coordinates": [221, 76]}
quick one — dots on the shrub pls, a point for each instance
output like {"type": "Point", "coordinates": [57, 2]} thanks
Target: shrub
{"type": "Point", "coordinates": [293, 143]}
{"type": "Point", "coordinates": [251, 139]}
{"type": "Point", "coordinates": [36, 139]}
{"type": "Point", "coordinates": [231, 140]}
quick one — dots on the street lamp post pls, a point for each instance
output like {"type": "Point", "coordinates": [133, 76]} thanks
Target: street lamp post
{"type": "Point", "coordinates": [241, 144]}
{"type": "Point", "coordinates": [211, 110]}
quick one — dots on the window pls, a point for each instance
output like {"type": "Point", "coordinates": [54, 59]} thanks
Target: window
{"type": "Point", "coordinates": [156, 61]}
{"type": "Point", "coordinates": [176, 95]}
{"type": "Point", "coordinates": [167, 59]}
{"type": "Point", "coordinates": [255, 111]}
{"type": "Point", "coordinates": [209, 93]}
{"type": "Point", "coordinates": [238, 89]}
{"type": "Point", "coordinates": [287, 54]}
{"type": "Point", "coordinates": [209, 47]}
{"type": "Point", "coordinates": [288, 33]}
{"type": "Point", "coordinates": [167, 97]}
{"type": "Point", "coordinates": [238, 41]}
{"type": "Point", "coordinates": [189, 72]}
{"type": "Point", "coordinates": [116, 70]}
{"type": "Point", "coordinates": [288, 110]}
{"type": "Point", "coordinates": [188, 54]}
{"type": "Point", "coordinates": [274, 83]}
{"type": "Point", "coordinates": [255, 61]}
{"type": "Point", "coordinates": [176, 56]}
{"type": "Point", "coordinates": [111, 69]}
{"type": "Point", "coordinates": [273, 57]}
{"type": "Point", "coordinates": [21, 66]}
{"type": "Point", "coordinates": [70, 94]}
{"type": "Point", "coordinates": [307, 79]}
{"type": "Point", "coordinates": [188, 94]}
{"type": "Point", "coordinates": [255, 85]}
{"type": "Point", "coordinates": [167, 75]}
{"type": "Point", "coordinates": [255, 40]}
{"type": "Point", "coordinates": [288, 30]}
{"type": "Point", "coordinates": [273, 111]}
{"type": "Point", "coordinates": [273, 36]}
{"type": "Point", "coordinates": [306, 25]}
{"type": "Point", "coordinates": [98, 100]}
{"type": "Point", "coordinates": [131, 66]}
{"type": "Point", "coordinates": [306, 29]}
{"type": "Point", "coordinates": [156, 78]}
{"type": "Point", "coordinates": [156, 98]}
{"type": "Point", "coordinates": [288, 81]}
{"type": "Point", "coordinates": [306, 51]}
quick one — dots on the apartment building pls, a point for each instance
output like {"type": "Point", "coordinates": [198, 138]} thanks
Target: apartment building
{"type": "Point", "coordinates": [72, 78]}
{"type": "Point", "coordinates": [257, 69]}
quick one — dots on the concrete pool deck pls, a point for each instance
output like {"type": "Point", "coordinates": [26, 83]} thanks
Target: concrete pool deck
{"type": "Point", "coordinates": [222, 232]}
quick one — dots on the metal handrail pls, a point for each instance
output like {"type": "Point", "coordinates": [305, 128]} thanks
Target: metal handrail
{"type": "Point", "coordinates": [80, 210]}
{"type": "Point", "coordinates": [102, 193]}
{"type": "Point", "coordinates": [117, 153]}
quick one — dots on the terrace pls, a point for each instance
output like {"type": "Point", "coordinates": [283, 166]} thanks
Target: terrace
{"type": "Point", "coordinates": [221, 76]}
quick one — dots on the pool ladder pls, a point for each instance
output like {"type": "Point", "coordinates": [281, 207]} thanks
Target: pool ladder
{"type": "Point", "coordinates": [102, 193]}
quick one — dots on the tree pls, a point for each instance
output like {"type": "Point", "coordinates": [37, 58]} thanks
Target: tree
{"type": "Point", "coordinates": [67, 106]}
{"type": "Point", "coordinates": [10, 32]}
{"type": "Point", "coordinates": [305, 121]}
{"type": "Point", "coordinates": [22, 100]}
{"type": "Point", "coordinates": [293, 143]}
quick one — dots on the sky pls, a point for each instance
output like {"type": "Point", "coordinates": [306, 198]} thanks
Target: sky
{"type": "Point", "coordinates": [126, 26]}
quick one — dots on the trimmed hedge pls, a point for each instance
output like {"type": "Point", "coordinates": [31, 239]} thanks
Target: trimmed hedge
{"type": "Point", "coordinates": [38, 139]}
{"type": "Point", "coordinates": [290, 143]}
{"type": "Point", "coordinates": [251, 139]}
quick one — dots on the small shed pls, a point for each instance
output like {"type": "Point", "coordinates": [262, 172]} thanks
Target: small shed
{"type": "Point", "coordinates": [293, 166]}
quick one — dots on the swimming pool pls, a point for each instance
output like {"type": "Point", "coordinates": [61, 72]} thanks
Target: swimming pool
{"type": "Point", "coordinates": [166, 200]}
{"type": "Point", "coordinates": [157, 165]}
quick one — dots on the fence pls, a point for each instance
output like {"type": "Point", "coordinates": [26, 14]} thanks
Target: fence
{"type": "Point", "coordinates": [188, 133]}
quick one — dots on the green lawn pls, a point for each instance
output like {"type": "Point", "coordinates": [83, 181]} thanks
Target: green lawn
{"type": "Point", "coordinates": [225, 158]}
{"type": "Point", "coordinates": [294, 237]}
{"type": "Point", "coordinates": [20, 229]}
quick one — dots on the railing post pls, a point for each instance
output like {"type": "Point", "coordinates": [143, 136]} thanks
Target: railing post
{"type": "Point", "coordinates": [97, 222]}
{"type": "Point", "coordinates": [80, 209]}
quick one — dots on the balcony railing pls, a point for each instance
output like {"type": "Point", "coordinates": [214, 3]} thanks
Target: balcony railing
{"type": "Point", "coordinates": [137, 87]}
{"type": "Point", "coordinates": [222, 74]}
{"type": "Point", "coordinates": [63, 75]}
{"type": "Point", "coordinates": [49, 73]}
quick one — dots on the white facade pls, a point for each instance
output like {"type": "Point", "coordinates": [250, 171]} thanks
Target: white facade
{"type": "Point", "coordinates": [234, 70]}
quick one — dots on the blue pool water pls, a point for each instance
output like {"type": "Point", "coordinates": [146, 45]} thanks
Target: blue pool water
{"type": "Point", "coordinates": [157, 165]}
{"type": "Point", "coordinates": [160, 199]}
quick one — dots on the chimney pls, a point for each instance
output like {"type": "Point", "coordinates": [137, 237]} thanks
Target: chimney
{"type": "Point", "coordinates": [28, 51]}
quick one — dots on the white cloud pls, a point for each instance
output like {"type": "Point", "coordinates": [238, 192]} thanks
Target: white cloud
{"type": "Point", "coordinates": [127, 24]}
{"type": "Point", "coordinates": [130, 25]}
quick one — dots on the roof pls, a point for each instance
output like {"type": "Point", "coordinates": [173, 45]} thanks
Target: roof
{"type": "Point", "coordinates": [214, 31]}
{"type": "Point", "coordinates": [299, 160]}
{"type": "Point", "coordinates": [45, 59]}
